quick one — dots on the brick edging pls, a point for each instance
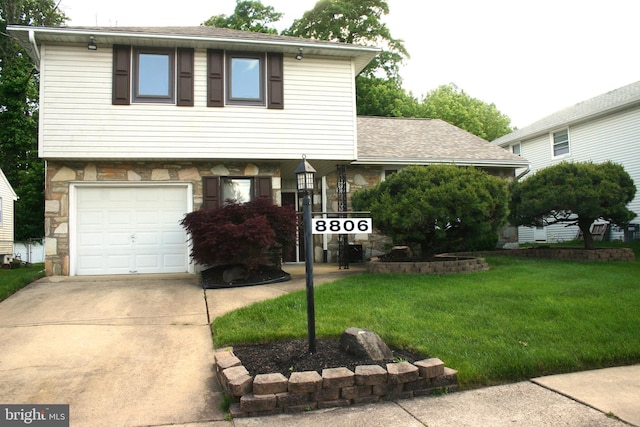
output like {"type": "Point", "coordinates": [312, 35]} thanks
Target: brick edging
{"type": "Point", "coordinates": [269, 394]}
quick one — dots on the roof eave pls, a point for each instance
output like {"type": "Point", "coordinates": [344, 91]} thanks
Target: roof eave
{"type": "Point", "coordinates": [361, 55]}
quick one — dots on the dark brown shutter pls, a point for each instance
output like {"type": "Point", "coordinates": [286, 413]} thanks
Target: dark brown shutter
{"type": "Point", "coordinates": [263, 188]}
{"type": "Point", "coordinates": [275, 81]}
{"type": "Point", "coordinates": [210, 192]}
{"type": "Point", "coordinates": [215, 78]}
{"type": "Point", "coordinates": [185, 77]}
{"type": "Point", "coordinates": [121, 89]}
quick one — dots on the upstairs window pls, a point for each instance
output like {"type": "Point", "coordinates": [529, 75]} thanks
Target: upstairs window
{"type": "Point", "coordinates": [560, 141]}
{"type": "Point", "coordinates": [245, 73]}
{"type": "Point", "coordinates": [153, 75]}
{"type": "Point", "coordinates": [516, 149]}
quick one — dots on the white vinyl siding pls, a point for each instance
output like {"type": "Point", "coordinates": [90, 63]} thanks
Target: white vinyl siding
{"type": "Point", "coordinates": [78, 120]}
{"type": "Point", "coordinates": [6, 219]}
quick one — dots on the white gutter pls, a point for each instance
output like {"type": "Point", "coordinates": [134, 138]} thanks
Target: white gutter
{"type": "Point", "coordinates": [495, 163]}
{"type": "Point", "coordinates": [325, 240]}
{"type": "Point", "coordinates": [36, 51]}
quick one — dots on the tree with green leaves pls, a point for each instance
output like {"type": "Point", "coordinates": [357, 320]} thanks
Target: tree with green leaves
{"type": "Point", "coordinates": [355, 22]}
{"type": "Point", "coordinates": [248, 16]}
{"type": "Point", "coordinates": [574, 194]}
{"type": "Point", "coordinates": [453, 105]}
{"type": "Point", "coordinates": [382, 97]}
{"type": "Point", "coordinates": [19, 113]}
{"type": "Point", "coordinates": [442, 208]}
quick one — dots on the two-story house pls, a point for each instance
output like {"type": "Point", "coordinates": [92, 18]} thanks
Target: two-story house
{"type": "Point", "coordinates": [606, 127]}
{"type": "Point", "coordinates": [139, 126]}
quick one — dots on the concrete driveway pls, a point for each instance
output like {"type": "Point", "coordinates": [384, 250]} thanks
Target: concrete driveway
{"type": "Point", "coordinates": [121, 351]}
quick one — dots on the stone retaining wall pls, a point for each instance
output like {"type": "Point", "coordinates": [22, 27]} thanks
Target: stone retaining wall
{"type": "Point", "coordinates": [270, 394]}
{"type": "Point", "coordinates": [575, 254]}
{"type": "Point", "coordinates": [460, 265]}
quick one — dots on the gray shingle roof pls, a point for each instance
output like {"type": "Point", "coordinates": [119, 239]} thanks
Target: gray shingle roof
{"type": "Point", "coordinates": [607, 103]}
{"type": "Point", "coordinates": [389, 140]}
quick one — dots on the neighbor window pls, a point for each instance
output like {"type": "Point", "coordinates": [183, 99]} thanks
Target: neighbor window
{"type": "Point", "coordinates": [516, 149]}
{"type": "Point", "coordinates": [561, 143]}
{"type": "Point", "coordinates": [0, 211]}
{"type": "Point", "coordinates": [153, 75]}
{"type": "Point", "coordinates": [245, 73]}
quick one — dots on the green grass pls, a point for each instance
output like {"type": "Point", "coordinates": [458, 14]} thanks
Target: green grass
{"type": "Point", "coordinates": [15, 279]}
{"type": "Point", "coordinates": [523, 318]}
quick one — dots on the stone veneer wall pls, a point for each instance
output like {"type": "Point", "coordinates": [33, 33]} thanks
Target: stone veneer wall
{"type": "Point", "coordinates": [60, 174]}
{"type": "Point", "coordinates": [463, 265]}
{"type": "Point", "coordinates": [270, 394]}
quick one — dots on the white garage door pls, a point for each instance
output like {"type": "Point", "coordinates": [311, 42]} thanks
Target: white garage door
{"type": "Point", "coordinates": [129, 230]}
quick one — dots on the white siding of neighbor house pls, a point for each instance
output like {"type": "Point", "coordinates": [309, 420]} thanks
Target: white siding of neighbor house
{"type": "Point", "coordinates": [79, 121]}
{"type": "Point", "coordinates": [615, 137]}
{"type": "Point", "coordinates": [6, 225]}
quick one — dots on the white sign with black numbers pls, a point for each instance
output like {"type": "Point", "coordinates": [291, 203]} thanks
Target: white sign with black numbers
{"type": "Point", "coordinates": [341, 226]}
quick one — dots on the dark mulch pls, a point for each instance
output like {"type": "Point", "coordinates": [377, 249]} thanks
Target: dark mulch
{"type": "Point", "coordinates": [212, 278]}
{"type": "Point", "coordinates": [289, 356]}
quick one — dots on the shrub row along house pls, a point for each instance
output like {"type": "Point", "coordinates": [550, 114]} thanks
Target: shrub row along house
{"type": "Point", "coordinates": [139, 126]}
{"type": "Point", "coordinates": [606, 127]}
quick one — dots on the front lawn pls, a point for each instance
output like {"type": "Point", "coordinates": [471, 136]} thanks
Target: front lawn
{"type": "Point", "coordinates": [523, 318]}
{"type": "Point", "coordinates": [15, 279]}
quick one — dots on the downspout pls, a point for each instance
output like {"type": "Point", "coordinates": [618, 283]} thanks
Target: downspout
{"type": "Point", "coordinates": [526, 171]}
{"type": "Point", "coordinates": [36, 51]}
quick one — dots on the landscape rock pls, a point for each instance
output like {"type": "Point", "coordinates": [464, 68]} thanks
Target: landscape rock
{"type": "Point", "coordinates": [365, 343]}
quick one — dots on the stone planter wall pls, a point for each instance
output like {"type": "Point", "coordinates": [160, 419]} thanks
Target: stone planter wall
{"type": "Point", "coordinates": [270, 394]}
{"type": "Point", "coordinates": [575, 254]}
{"type": "Point", "coordinates": [461, 265]}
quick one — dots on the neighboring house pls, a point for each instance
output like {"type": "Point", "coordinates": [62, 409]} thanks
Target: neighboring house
{"type": "Point", "coordinates": [139, 126]}
{"type": "Point", "coordinates": [7, 199]}
{"type": "Point", "coordinates": [603, 128]}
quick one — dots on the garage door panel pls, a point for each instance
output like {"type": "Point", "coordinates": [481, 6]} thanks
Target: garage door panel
{"type": "Point", "coordinates": [123, 230]}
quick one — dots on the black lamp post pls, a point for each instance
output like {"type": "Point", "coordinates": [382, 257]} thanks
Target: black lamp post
{"type": "Point", "coordinates": [305, 178]}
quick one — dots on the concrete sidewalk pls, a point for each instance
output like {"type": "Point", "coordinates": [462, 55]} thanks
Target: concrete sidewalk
{"type": "Point", "coordinates": [606, 397]}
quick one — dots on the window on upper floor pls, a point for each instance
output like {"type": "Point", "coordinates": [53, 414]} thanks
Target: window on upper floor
{"type": "Point", "coordinates": [157, 75]}
{"type": "Point", "coordinates": [516, 149]}
{"type": "Point", "coordinates": [560, 143]}
{"type": "Point", "coordinates": [245, 79]}
{"type": "Point", "coordinates": [0, 211]}
{"type": "Point", "coordinates": [153, 75]}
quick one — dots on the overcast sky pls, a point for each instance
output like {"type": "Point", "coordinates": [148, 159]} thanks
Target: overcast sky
{"type": "Point", "coordinates": [529, 58]}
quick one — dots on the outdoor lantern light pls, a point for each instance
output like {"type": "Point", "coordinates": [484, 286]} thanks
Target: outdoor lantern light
{"type": "Point", "coordinates": [92, 43]}
{"type": "Point", "coordinates": [305, 175]}
{"type": "Point", "coordinates": [299, 54]}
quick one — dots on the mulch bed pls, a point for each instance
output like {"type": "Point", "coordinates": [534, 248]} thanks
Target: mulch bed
{"type": "Point", "coordinates": [293, 355]}
{"type": "Point", "coordinates": [212, 278]}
